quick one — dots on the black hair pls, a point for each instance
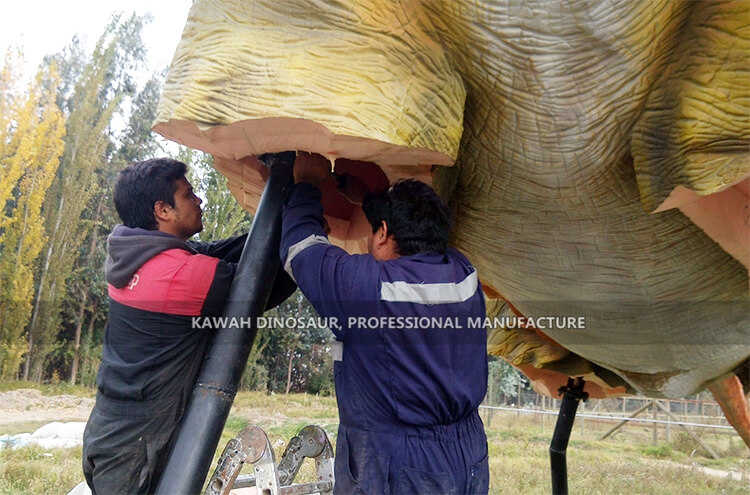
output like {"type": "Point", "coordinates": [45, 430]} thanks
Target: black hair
{"type": "Point", "coordinates": [142, 184]}
{"type": "Point", "coordinates": [416, 217]}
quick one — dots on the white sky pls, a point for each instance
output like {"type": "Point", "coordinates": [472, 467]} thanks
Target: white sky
{"type": "Point", "coordinates": [42, 27]}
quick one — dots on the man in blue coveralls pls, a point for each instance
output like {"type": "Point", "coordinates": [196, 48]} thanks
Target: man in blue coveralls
{"type": "Point", "coordinates": [411, 368]}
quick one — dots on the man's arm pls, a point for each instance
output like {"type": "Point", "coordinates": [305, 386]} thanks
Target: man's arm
{"type": "Point", "coordinates": [228, 249]}
{"type": "Point", "coordinates": [216, 297]}
{"type": "Point", "coordinates": [336, 283]}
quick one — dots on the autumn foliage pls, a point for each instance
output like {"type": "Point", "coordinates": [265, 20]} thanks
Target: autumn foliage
{"type": "Point", "coordinates": [31, 144]}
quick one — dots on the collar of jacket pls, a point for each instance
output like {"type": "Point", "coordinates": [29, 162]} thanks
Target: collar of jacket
{"type": "Point", "coordinates": [129, 248]}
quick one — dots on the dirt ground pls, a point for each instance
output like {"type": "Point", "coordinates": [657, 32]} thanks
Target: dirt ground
{"type": "Point", "coordinates": [26, 405]}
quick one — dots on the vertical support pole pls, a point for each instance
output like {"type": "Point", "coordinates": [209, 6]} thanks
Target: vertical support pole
{"type": "Point", "coordinates": [582, 429]}
{"type": "Point", "coordinates": [490, 393]}
{"type": "Point", "coordinates": [217, 382]}
{"type": "Point", "coordinates": [654, 425]}
{"type": "Point", "coordinates": [518, 402]}
{"type": "Point", "coordinates": [572, 394]}
{"type": "Point", "coordinates": [667, 431]}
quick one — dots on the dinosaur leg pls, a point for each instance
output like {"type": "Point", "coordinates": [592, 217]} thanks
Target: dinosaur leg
{"type": "Point", "coordinates": [730, 396]}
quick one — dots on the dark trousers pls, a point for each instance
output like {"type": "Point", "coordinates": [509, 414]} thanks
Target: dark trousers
{"type": "Point", "coordinates": [125, 449]}
{"type": "Point", "coordinates": [446, 459]}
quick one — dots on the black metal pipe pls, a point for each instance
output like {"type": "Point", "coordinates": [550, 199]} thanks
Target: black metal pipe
{"type": "Point", "coordinates": [217, 382]}
{"type": "Point", "coordinates": [572, 394]}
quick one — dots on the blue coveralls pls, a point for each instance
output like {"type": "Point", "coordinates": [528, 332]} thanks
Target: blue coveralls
{"type": "Point", "coordinates": [412, 368]}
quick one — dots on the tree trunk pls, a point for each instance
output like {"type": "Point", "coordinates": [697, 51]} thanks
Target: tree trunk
{"type": "Point", "coordinates": [289, 373]}
{"type": "Point", "coordinates": [27, 364]}
{"type": "Point", "coordinates": [77, 344]}
{"type": "Point", "coordinates": [89, 335]}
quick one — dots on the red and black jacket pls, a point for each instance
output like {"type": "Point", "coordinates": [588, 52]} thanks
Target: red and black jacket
{"type": "Point", "coordinates": [157, 284]}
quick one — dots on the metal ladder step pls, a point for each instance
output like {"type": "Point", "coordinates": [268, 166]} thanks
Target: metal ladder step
{"type": "Point", "coordinates": [252, 445]}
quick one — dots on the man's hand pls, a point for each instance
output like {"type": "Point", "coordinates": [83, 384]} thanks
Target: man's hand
{"type": "Point", "coordinates": [311, 168]}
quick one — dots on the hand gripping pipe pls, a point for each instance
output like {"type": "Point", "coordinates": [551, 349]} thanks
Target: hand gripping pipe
{"type": "Point", "coordinates": [572, 394]}
{"type": "Point", "coordinates": [217, 382]}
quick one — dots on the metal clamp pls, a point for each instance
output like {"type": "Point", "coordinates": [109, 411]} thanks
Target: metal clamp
{"type": "Point", "coordinates": [574, 389]}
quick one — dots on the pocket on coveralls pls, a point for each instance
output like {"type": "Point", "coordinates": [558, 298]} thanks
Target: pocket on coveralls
{"type": "Point", "coordinates": [415, 482]}
{"type": "Point", "coordinates": [345, 480]}
{"type": "Point", "coordinates": [359, 469]}
{"type": "Point", "coordinates": [480, 476]}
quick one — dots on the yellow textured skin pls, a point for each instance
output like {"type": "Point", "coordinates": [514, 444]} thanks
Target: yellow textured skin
{"type": "Point", "coordinates": [695, 130]}
{"type": "Point", "coordinates": [360, 70]}
{"type": "Point", "coordinates": [579, 118]}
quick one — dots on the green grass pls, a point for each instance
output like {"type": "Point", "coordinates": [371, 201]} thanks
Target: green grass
{"type": "Point", "coordinates": [519, 463]}
{"type": "Point", "coordinates": [39, 471]}
{"type": "Point", "coordinates": [658, 451]}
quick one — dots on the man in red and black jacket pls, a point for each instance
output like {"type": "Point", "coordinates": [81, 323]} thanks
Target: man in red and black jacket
{"type": "Point", "coordinates": [158, 281]}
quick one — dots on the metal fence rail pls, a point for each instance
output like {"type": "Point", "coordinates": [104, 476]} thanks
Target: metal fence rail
{"type": "Point", "coordinates": [609, 418]}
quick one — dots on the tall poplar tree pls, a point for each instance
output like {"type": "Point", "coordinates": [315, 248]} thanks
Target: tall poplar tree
{"type": "Point", "coordinates": [31, 132]}
{"type": "Point", "coordinates": [10, 139]}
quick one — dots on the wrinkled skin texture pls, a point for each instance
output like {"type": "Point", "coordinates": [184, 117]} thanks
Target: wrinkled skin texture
{"type": "Point", "coordinates": [548, 199]}
{"type": "Point", "coordinates": [602, 170]}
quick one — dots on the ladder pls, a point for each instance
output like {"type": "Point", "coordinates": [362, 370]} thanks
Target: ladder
{"type": "Point", "coordinates": [252, 446]}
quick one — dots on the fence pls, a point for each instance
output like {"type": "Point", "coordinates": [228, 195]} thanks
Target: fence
{"type": "Point", "coordinates": [662, 416]}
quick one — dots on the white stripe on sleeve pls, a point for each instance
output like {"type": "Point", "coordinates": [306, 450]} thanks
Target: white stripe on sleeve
{"type": "Point", "coordinates": [297, 248]}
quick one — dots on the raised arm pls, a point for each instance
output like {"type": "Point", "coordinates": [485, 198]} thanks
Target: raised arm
{"type": "Point", "coordinates": [228, 249]}
{"type": "Point", "coordinates": [337, 283]}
